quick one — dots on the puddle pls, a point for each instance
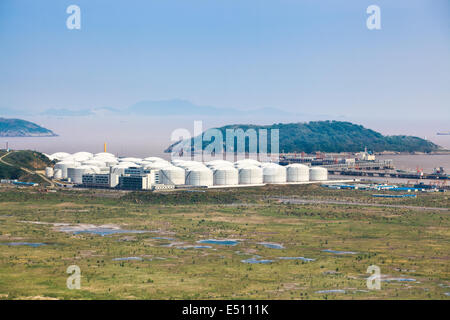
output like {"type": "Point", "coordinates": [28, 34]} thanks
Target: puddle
{"type": "Point", "coordinates": [400, 279]}
{"type": "Point", "coordinates": [98, 230]}
{"type": "Point", "coordinates": [255, 260]}
{"type": "Point", "coordinates": [30, 244]}
{"type": "Point", "coordinates": [271, 245]}
{"type": "Point", "coordinates": [220, 242]}
{"type": "Point", "coordinates": [193, 247]}
{"type": "Point", "coordinates": [297, 258]}
{"type": "Point", "coordinates": [331, 291]}
{"type": "Point", "coordinates": [339, 252]}
{"type": "Point", "coordinates": [128, 259]}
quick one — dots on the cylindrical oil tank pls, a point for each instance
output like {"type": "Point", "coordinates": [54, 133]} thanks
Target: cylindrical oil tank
{"type": "Point", "coordinates": [247, 162]}
{"type": "Point", "coordinates": [199, 176]}
{"type": "Point", "coordinates": [318, 174]}
{"type": "Point", "coordinates": [76, 174]}
{"type": "Point", "coordinates": [218, 163]}
{"type": "Point", "coordinates": [82, 156]}
{"type": "Point", "coordinates": [59, 156]}
{"type": "Point", "coordinates": [172, 175]}
{"type": "Point", "coordinates": [156, 165]}
{"type": "Point", "coordinates": [49, 172]}
{"type": "Point", "coordinates": [57, 174]}
{"type": "Point", "coordinates": [64, 165]}
{"type": "Point", "coordinates": [94, 163]}
{"type": "Point", "coordinates": [297, 172]}
{"type": "Point", "coordinates": [104, 155]}
{"type": "Point", "coordinates": [250, 175]}
{"type": "Point", "coordinates": [226, 175]}
{"type": "Point", "coordinates": [127, 164]}
{"type": "Point", "coordinates": [187, 165]}
{"type": "Point", "coordinates": [273, 173]}
{"type": "Point", "coordinates": [111, 162]}
{"type": "Point", "coordinates": [130, 159]}
{"type": "Point", "coordinates": [154, 159]}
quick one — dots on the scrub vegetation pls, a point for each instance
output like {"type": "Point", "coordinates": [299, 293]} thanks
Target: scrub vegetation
{"type": "Point", "coordinates": [409, 242]}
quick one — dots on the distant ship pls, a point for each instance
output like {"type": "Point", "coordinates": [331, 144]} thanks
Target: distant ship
{"type": "Point", "coordinates": [443, 133]}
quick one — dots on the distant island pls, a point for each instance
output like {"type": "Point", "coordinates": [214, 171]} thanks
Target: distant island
{"type": "Point", "coordinates": [22, 128]}
{"type": "Point", "coordinates": [333, 136]}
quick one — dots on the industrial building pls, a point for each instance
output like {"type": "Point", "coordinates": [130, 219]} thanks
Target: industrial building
{"type": "Point", "coordinates": [104, 170]}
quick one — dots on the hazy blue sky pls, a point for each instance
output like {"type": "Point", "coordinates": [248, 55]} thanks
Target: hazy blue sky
{"type": "Point", "coordinates": [315, 56]}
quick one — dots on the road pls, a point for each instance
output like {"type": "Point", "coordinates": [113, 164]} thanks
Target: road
{"type": "Point", "coordinates": [311, 201]}
{"type": "Point", "coordinates": [25, 169]}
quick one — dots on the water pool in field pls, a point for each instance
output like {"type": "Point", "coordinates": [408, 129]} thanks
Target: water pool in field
{"type": "Point", "coordinates": [128, 259]}
{"type": "Point", "coordinates": [30, 244]}
{"type": "Point", "coordinates": [193, 247]}
{"type": "Point", "coordinates": [219, 242]}
{"type": "Point", "coordinates": [331, 291]}
{"type": "Point", "coordinates": [254, 260]}
{"type": "Point", "coordinates": [297, 258]}
{"type": "Point", "coordinates": [400, 279]}
{"type": "Point", "coordinates": [101, 231]}
{"type": "Point", "coordinates": [339, 252]}
{"type": "Point", "coordinates": [271, 245]}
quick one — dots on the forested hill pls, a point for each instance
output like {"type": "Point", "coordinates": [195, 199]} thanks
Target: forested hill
{"type": "Point", "coordinates": [334, 136]}
{"type": "Point", "coordinates": [22, 128]}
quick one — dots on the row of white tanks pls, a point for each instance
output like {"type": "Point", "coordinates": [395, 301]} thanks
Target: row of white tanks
{"type": "Point", "coordinates": [185, 172]}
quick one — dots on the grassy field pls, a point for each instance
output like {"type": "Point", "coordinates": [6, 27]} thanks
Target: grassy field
{"type": "Point", "coordinates": [411, 243]}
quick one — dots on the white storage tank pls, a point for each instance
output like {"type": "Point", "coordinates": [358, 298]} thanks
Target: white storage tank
{"type": "Point", "coordinates": [171, 175]}
{"type": "Point", "coordinates": [104, 155]}
{"type": "Point", "coordinates": [156, 164]}
{"type": "Point", "coordinates": [297, 172]}
{"type": "Point", "coordinates": [318, 174]}
{"type": "Point", "coordinates": [199, 176]}
{"type": "Point", "coordinates": [111, 162]}
{"type": "Point", "coordinates": [75, 175]}
{"type": "Point", "coordinates": [127, 164]}
{"type": "Point", "coordinates": [154, 159]}
{"type": "Point", "coordinates": [250, 175]}
{"type": "Point", "coordinates": [49, 172]}
{"type": "Point", "coordinates": [57, 174]}
{"type": "Point", "coordinates": [64, 165]}
{"type": "Point", "coordinates": [94, 163]}
{"type": "Point", "coordinates": [247, 162]}
{"type": "Point", "coordinates": [226, 175]}
{"type": "Point", "coordinates": [82, 156]}
{"type": "Point", "coordinates": [59, 156]}
{"type": "Point", "coordinates": [218, 163]}
{"type": "Point", "coordinates": [273, 173]}
{"type": "Point", "coordinates": [130, 159]}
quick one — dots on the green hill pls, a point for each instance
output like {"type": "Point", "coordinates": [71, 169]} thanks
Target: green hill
{"type": "Point", "coordinates": [332, 136]}
{"type": "Point", "coordinates": [14, 165]}
{"type": "Point", "coordinates": [22, 128]}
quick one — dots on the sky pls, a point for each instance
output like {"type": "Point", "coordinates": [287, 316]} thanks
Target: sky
{"type": "Point", "coordinates": [311, 56]}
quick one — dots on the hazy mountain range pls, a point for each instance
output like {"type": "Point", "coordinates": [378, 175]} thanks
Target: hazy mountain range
{"type": "Point", "coordinates": [161, 108]}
